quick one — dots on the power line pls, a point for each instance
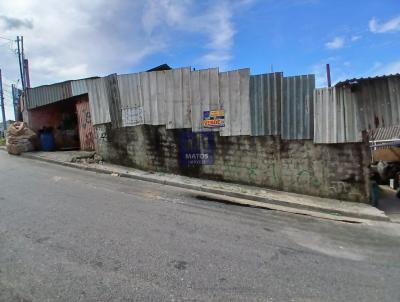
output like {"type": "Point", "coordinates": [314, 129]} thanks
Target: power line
{"type": "Point", "coordinates": [4, 38]}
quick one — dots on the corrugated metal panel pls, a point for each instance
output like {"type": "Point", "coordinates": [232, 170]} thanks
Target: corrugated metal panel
{"type": "Point", "coordinates": [98, 100]}
{"type": "Point", "coordinates": [178, 107]}
{"type": "Point", "coordinates": [114, 101]}
{"type": "Point", "coordinates": [204, 93]}
{"type": "Point", "coordinates": [265, 101]}
{"type": "Point", "coordinates": [384, 133]}
{"type": "Point", "coordinates": [45, 95]}
{"type": "Point", "coordinates": [335, 117]}
{"type": "Point", "coordinates": [131, 100]}
{"type": "Point", "coordinates": [359, 80]}
{"type": "Point", "coordinates": [297, 120]}
{"type": "Point", "coordinates": [79, 87]}
{"type": "Point", "coordinates": [153, 97]}
{"type": "Point", "coordinates": [379, 102]}
{"type": "Point", "coordinates": [129, 90]}
{"type": "Point", "coordinates": [235, 100]}
{"type": "Point", "coordinates": [325, 116]}
{"type": "Point", "coordinates": [394, 92]}
{"type": "Point", "coordinates": [348, 114]}
{"type": "Point", "coordinates": [86, 131]}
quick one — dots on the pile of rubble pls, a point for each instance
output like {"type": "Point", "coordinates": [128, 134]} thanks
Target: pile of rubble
{"type": "Point", "coordinates": [90, 158]}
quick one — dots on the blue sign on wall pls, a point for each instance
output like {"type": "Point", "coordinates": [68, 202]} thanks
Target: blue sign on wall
{"type": "Point", "coordinates": [196, 148]}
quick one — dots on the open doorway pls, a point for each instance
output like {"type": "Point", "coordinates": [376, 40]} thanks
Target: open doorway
{"type": "Point", "coordinates": [67, 123]}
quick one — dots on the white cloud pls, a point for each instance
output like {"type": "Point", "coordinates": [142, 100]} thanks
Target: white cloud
{"type": "Point", "coordinates": [391, 25]}
{"type": "Point", "coordinates": [355, 38]}
{"type": "Point", "coordinates": [75, 38]}
{"type": "Point", "coordinates": [214, 24]}
{"type": "Point", "coordinates": [336, 43]}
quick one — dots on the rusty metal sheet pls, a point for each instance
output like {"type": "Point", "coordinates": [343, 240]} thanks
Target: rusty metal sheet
{"type": "Point", "coordinates": [378, 101]}
{"type": "Point", "coordinates": [86, 130]}
{"type": "Point", "coordinates": [114, 101]}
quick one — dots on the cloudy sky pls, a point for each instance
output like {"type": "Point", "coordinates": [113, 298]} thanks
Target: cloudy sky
{"type": "Point", "coordinates": [73, 39]}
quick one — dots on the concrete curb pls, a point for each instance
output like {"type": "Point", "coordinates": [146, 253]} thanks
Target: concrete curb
{"type": "Point", "coordinates": [251, 200]}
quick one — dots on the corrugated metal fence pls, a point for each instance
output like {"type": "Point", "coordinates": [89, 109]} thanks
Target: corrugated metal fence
{"type": "Point", "coordinates": [98, 100]}
{"type": "Point", "coordinates": [204, 94]}
{"type": "Point", "coordinates": [297, 112]}
{"type": "Point", "coordinates": [265, 102]}
{"type": "Point", "coordinates": [235, 100]}
{"type": "Point", "coordinates": [335, 117]}
{"type": "Point", "coordinates": [378, 101]}
{"type": "Point", "coordinates": [343, 112]}
{"type": "Point", "coordinates": [178, 98]}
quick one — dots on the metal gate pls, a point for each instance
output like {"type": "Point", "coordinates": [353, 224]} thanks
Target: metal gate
{"type": "Point", "coordinates": [86, 131]}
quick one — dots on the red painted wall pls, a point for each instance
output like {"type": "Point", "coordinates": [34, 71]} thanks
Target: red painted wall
{"type": "Point", "coordinates": [61, 116]}
{"type": "Point", "coordinates": [86, 131]}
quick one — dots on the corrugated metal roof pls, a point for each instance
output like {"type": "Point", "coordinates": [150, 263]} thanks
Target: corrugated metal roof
{"type": "Point", "coordinates": [355, 81]}
{"type": "Point", "coordinates": [265, 102]}
{"type": "Point", "coordinates": [235, 100]}
{"type": "Point", "coordinates": [297, 114]}
{"type": "Point", "coordinates": [384, 133]}
{"type": "Point", "coordinates": [178, 107]}
{"type": "Point", "coordinates": [79, 87]}
{"type": "Point", "coordinates": [204, 93]}
{"type": "Point", "coordinates": [45, 95]}
{"type": "Point", "coordinates": [335, 117]}
{"type": "Point", "coordinates": [48, 94]}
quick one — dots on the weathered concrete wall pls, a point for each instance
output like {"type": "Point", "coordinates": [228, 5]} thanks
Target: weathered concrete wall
{"type": "Point", "coordinates": [335, 171]}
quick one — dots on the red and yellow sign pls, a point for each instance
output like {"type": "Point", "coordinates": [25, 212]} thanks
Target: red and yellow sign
{"type": "Point", "coordinates": [214, 119]}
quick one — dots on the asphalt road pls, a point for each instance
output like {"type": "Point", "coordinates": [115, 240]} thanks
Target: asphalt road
{"type": "Point", "coordinates": [71, 235]}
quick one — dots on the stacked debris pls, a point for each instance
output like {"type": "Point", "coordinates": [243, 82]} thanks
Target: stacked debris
{"type": "Point", "coordinates": [20, 138]}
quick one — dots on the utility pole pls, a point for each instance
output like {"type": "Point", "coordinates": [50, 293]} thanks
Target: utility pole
{"type": "Point", "coordinates": [20, 56]}
{"type": "Point", "coordinates": [3, 113]}
{"type": "Point", "coordinates": [26, 72]}
{"type": "Point", "coordinates": [15, 101]}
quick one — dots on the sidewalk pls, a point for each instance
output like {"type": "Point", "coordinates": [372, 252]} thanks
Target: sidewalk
{"type": "Point", "coordinates": [238, 194]}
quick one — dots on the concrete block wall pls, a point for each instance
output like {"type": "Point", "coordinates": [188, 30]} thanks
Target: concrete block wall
{"type": "Point", "coordinates": [334, 171]}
